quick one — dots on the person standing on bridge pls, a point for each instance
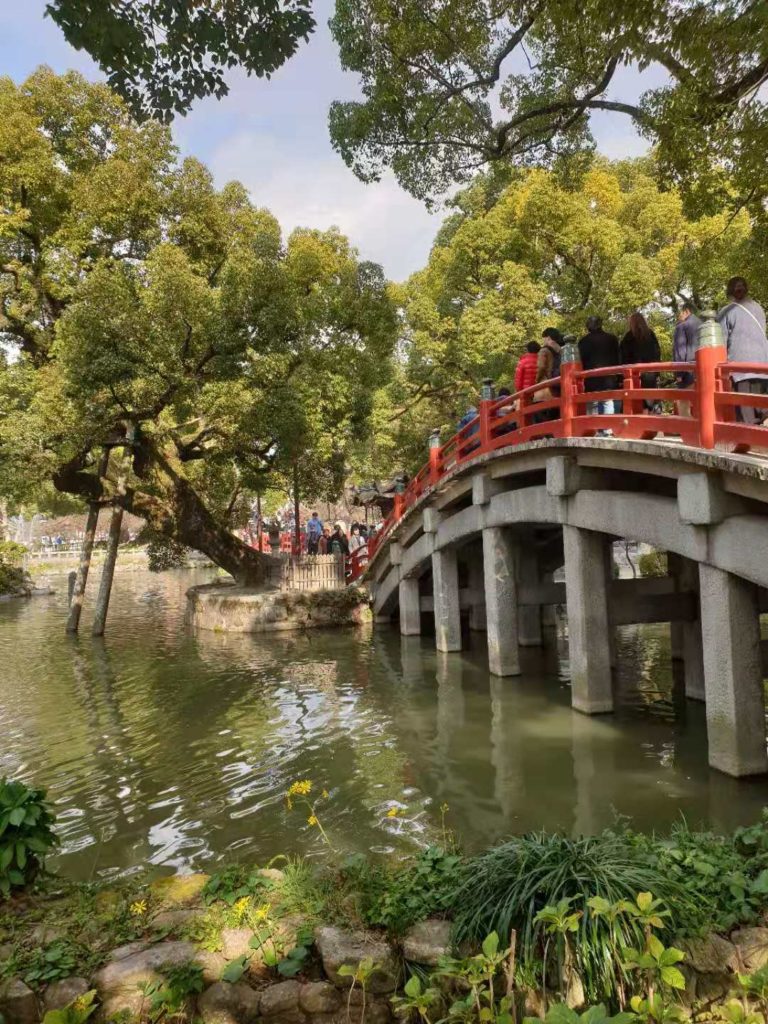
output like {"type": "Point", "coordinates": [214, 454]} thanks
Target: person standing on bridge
{"type": "Point", "coordinates": [743, 324]}
{"type": "Point", "coordinates": [527, 366]}
{"type": "Point", "coordinates": [596, 349]}
{"type": "Point", "coordinates": [640, 345]}
{"type": "Point", "coordinates": [684, 348]}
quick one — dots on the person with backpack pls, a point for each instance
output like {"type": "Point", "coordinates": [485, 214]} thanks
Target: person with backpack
{"type": "Point", "coordinates": [548, 368]}
{"type": "Point", "coordinates": [684, 346]}
{"type": "Point", "coordinates": [314, 531]}
{"type": "Point", "coordinates": [596, 349]}
{"type": "Point", "coordinates": [743, 324]}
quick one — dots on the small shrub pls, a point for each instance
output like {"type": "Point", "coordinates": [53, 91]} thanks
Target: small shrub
{"type": "Point", "coordinates": [76, 1012]}
{"type": "Point", "coordinates": [396, 897]}
{"type": "Point", "coordinates": [509, 886]}
{"type": "Point", "coordinates": [56, 961]}
{"type": "Point", "coordinates": [653, 563]}
{"type": "Point", "coordinates": [26, 834]}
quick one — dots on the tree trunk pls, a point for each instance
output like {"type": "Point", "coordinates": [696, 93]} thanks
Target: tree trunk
{"type": "Point", "coordinates": [76, 606]}
{"type": "Point", "coordinates": [296, 510]}
{"type": "Point", "coordinates": [108, 572]}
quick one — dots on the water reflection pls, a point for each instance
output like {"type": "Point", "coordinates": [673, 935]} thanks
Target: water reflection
{"type": "Point", "coordinates": [167, 749]}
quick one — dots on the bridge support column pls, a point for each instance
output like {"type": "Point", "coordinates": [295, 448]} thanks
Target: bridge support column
{"type": "Point", "coordinates": [529, 615]}
{"type": "Point", "coordinates": [410, 609]}
{"type": "Point", "coordinates": [477, 588]}
{"type": "Point", "coordinates": [501, 606]}
{"type": "Point", "coordinates": [586, 590]}
{"type": "Point", "coordinates": [686, 636]}
{"type": "Point", "coordinates": [445, 580]}
{"type": "Point", "coordinates": [733, 676]}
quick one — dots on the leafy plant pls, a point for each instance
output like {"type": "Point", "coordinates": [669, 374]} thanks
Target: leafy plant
{"type": "Point", "coordinates": [396, 897]}
{"type": "Point", "coordinates": [562, 1014]}
{"type": "Point", "coordinates": [294, 962]}
{"type": "Point", "coordinates": [26, 833]}
{"type": "Point", "coordinates": [417, 999]}
{"type": "Point", "coordinates": [235, 969]}
{"type": "Point", "coordinates": [168, 998]}
{"type": "Point", "coordinates": [76, 1012]}
{"type": "Point", "coordinates": [509, 885]}
{"type": "Point", "coordinates": [235, 882]}
{"type": "Point", "coordinates": [55, 961]}
{"type": "Point", "coordinates": [360, 975]}
{"type": "Point", "coordinates": [483, 995]}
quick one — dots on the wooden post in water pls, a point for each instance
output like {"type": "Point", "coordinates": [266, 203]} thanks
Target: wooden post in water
{"type": "Point", "coordinates": [113, 542]}
{"type": "Point", "coordinates": [78, 591]}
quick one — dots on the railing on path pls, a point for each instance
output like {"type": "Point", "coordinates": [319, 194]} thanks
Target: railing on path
{"type": "Point", "coordinates": [703, 415]}
{"type": "Point", "coordinates": [309, 572]}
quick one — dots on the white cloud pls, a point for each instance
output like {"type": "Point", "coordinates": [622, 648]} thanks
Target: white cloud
{"type": "Point", "coordinates": [384, 222]}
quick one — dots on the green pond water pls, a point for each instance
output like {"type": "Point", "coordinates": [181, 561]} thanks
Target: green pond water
{"type": "Point", "coordinates": [170, 750]}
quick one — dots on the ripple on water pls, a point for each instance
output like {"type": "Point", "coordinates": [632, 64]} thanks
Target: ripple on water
{"type": "Point", "coordinates": [166, 749]}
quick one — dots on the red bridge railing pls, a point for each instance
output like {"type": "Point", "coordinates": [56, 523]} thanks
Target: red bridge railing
{"type": "Point", "coordinates": [700, 416]}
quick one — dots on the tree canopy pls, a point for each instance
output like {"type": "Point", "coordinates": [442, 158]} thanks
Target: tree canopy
{"type": "Point", "coordinates": [545, 248]}
{"type": "Point", "coordinates": [161, 55]}
{"type": "Point", "coordinates": [149, 314]}
{"type": "Point", "coordinates": [450, 86]}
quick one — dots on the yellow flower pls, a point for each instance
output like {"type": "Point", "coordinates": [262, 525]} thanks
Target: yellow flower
{"type": "Point", "coordinates": [262, 913]}
{"type": "Point", "coordinates": [393, 812]}
{"type": "Point", "coordinates": [301, 788]}
{"type": "Point", "coordinates": [312, 820]}
{"type": "Point", "coordinates": [138, 908]}
{"type": "Point", "coordinates": [325, 794]}
{"type": "Point", "coordinates": [242, 905]}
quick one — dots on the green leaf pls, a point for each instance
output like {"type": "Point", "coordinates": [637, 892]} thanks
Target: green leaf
{"type": "Point", "coordinates": [413, 987]}
{"type": "Point", "coordinates": [289, 968]}
{"type": "Point", "coordinates": [655, 947]}
{"type": "Point", "coordinates": [21, 855]}
{"type": "Point", "coordinates": [16, 816]}
{"type": "Point", "coordinates": [235, 969]}
{"type": "Point", "coordinates": [491, 945]}
{"type": "Point", "coordinates": [673, 977]}
{"type": "Point", "coordinates": [645, 901]}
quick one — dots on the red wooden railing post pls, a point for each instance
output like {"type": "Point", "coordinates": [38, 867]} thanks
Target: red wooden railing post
{"type": "Point", "coordinates": [398, 506]}
{"type": "Point", "coordinates": [434, 457]}
{"type": "Point", "coordinates": [709, 354]}
{"type": "Point", "coordinates": [569, 367]}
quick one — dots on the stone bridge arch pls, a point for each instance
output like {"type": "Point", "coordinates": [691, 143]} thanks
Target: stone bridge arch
{"type": "Point", "coordinates": [490, 534]}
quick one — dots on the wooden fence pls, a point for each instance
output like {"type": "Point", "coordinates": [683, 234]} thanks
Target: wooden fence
{"type": "Point", "coordinates": [309, 572]}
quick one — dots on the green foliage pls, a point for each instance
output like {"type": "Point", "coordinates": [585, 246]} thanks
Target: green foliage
{"type": "Point", "coordinates": [13, 579]}
{"type": "Point", "coordinates": [76, 1012]}
{"type": "Point", "coordinates": [234, 883]}
{"type": "Point", "coordinates": [396, 896]}
{"type": "Point", "coordinates": [51, 963]}
{"type": "Point", "coordinates": [167, 999]}
{"type": "Point", "coordinates": [26, 834]}
{"type": "Point", "coordinates": [724, 878]}
{"type": "Point", "coordinates": [161, 57]}
{"type": "Point", "coordinates": [653, 563]}
{"type": "Point", "coordinates": [163, 553]}
{"type": "Point", "coordinates": [148, 312]}
{"type": "Point", "coordinates": [658, 960]}
{"type": "Point", "coordinates": [454, 87]}
{"type": "Point", "coordinates": [510, 885]}
{"type": "Point", "coordinates": [562, 1014]}
{"type": "Point", "coordinates": [12, 553]}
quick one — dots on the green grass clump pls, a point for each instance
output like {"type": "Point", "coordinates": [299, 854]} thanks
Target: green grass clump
{"type": "Point", "coordinates": [508, 886]}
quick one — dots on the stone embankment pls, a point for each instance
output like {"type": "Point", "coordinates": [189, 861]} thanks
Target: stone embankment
{"type": "Point", "coordinates": [226, 608]}
{"type": "Point", "coordinates": [322, 993]}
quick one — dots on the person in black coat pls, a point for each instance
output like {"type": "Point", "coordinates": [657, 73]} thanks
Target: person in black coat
{"type": "Point", "coordinates": [640, 345]}
{"type": "Point", "coordinates": [599, 348]}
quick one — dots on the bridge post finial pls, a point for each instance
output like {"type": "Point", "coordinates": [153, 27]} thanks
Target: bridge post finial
{"type": "Point", "coordinates": [710, 353]}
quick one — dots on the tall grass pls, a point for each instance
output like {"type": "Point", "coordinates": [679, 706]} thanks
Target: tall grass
{"type": "Point", "coordinates": [511, 883]}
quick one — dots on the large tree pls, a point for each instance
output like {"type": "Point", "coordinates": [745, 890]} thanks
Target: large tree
{"type": "Point", "coordinates": [546, 248]}
{"type": "Point", "coordinates": [150, 315]}
{"type": "Point", "coordinates": [161, 55]}
{"type": "Point", "coordinates": [452, 85]}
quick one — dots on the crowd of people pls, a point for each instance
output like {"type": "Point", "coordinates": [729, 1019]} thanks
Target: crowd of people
{"type": "Point", "coordinates": [741, 319]}
{"type": "Point", "coordinates": [327, 540]}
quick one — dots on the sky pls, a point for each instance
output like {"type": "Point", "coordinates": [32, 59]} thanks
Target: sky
{"type": "Point", "coordinates": [273, 136]}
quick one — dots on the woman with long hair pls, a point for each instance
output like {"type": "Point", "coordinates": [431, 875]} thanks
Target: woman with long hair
{"type": "Point", "coordinates": [640, 345]}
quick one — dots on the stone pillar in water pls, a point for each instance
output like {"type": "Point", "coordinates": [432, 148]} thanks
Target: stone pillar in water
{"type": "Point", "coordinates": [410, 609]}
{"type": "Point", "coordinates": [686, 636]}
{"type": "Point", "coordinates": [733, 677]}
{"type": "Point", "coordinates": [445, 579]}
{"type": "Point", "coordinates": [586, 589]}
{"type": "Point", "coordinates": [501, 608]}
{"type": "Point", "coordinates": [528, 615]}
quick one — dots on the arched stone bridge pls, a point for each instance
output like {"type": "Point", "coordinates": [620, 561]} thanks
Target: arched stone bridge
{"type": "Point", "coordinates": [504, 505]}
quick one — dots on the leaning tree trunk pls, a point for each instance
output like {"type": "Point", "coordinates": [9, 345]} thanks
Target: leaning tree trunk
{"type": "Point", "coordinates": [108, 572]}
{"type": "Point", "coordinates": [78, 592]}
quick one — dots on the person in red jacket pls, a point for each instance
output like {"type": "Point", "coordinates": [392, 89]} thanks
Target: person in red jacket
{"type": "Point", "coordinates": [525, 373]}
